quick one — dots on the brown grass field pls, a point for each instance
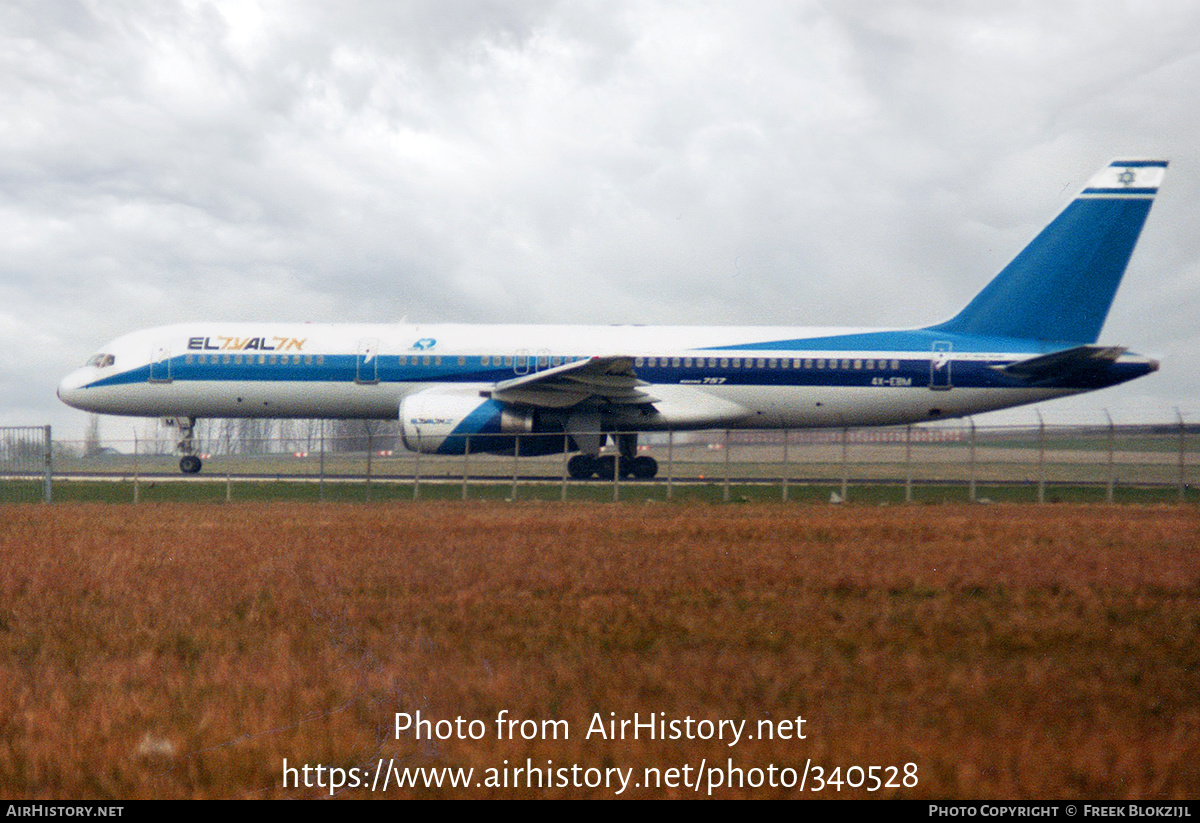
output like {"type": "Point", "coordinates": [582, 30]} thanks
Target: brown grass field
{"type": "Point", "coordinates": [184, 651]}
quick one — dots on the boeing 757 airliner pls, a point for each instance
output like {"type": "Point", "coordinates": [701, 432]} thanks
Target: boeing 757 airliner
{"type": "Point", "coordinates": [1030, 335]}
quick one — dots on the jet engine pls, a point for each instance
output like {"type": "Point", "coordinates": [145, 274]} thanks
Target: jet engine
{"type": "Point", "coordinates": [448, 421]}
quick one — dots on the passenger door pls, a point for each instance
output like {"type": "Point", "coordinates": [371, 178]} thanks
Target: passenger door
{"type": "Point", "coordinates": [366, 362]}
{"type": "Point", "coordinates": [160, 364]}
{"type": "Point", "coordinates": [939, 366]}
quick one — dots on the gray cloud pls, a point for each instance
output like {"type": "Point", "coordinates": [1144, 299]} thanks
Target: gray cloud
{"type": "Point", "coordinates": [795, 163]}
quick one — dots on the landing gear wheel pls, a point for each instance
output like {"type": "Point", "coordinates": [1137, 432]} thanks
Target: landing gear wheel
{"type": "Point", "coordinates": [643, 467]}
{"type": "Point", "coordinates": [606, 467]}
{"type": "Point", "coordinates": [581, 466]}
{"type": "Point", "coordinates": [190, 464]}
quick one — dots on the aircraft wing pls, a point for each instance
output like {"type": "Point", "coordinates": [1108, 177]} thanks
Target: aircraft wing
{"type": "Point", "coordinates": [1080, 359]}
{"type": "Point", "coordinates": [605, 378]}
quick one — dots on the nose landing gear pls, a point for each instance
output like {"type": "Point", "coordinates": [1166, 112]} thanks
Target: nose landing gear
{"type": "Point", "coordinates": [190, 463]}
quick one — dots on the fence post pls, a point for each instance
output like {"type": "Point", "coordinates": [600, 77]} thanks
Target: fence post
{"type": "Point", "coordinates": [370, 453]}
{"type": "Point", "coordinates": [1041, 457]}
{"type": "Point", "coordinates": [725, 492]}
{"type": "Point", "coordinates": [417, 469]}
{"type": "Point", "coordinates": [516, 454]}
{"type": "Point", "coordinates": [670, 464]}
{"type": "Point", "coordinates": [617, 468]}
{"type": "Point", "coordinates": [1108, 495]}
{"type": "Point", "coordinates": [566, 458]}
{"type": "Point", "coordinates": [1182, 453]}
{"type": "Point", "coordinates": [908, 463]}
{"type": "Point", "coordinates": [136, 451]}
{"type": "Point", "coordinates": [787, 434]}
{"type": "Point", "coordinates": [48, 469]}
{"type": "Point", "coordinates": [321, 476]}
{"type": "Point", "coordinates": [971, 487]}
{"type": "Point", "coordinates": [466, 464]}
{"type": "Point", "coordinates": [845, 464]}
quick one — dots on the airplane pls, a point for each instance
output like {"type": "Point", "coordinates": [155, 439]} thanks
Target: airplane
{"type": "Point", "coordinates": [1030, 335]}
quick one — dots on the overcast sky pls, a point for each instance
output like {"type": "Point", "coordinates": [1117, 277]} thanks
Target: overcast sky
{"type": "Point", "coordinates": [807, 163]}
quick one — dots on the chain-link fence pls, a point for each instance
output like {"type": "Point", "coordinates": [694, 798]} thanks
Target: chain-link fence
{"type": "Point", "coordinates": [26, 463]}
{"type": "Point", "coordinates": [1040, 463]}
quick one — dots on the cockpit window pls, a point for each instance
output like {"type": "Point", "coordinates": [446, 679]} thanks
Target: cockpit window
{"type": "Point", "coordinates": [101, 360]}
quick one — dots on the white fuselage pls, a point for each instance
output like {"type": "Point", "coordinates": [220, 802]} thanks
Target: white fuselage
{"type": "Point", "coordinates": [700, 376]}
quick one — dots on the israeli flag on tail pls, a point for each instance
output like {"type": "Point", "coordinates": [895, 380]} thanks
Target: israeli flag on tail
{"type": "Point", "coordinates": [1127, 178]}
{"type": "Point", "coordinates": [1060, 287]}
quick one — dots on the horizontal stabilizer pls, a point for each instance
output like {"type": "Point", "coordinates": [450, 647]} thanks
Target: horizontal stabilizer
{"type": "Point", "coordinates": [1076, 361]}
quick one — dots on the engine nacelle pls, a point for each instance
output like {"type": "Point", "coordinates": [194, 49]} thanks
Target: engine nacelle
{"type": "Point", "coordinates": [444, 421]}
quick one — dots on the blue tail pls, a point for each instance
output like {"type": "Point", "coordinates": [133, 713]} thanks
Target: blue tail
{"type": "Point", "coordinates": [1059, 289]}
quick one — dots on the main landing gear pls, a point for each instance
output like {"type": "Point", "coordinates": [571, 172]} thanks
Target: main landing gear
{"type": "Point", "coordinates": [190, 463]}
{"type": "Point", "coordinates": [629, 463]}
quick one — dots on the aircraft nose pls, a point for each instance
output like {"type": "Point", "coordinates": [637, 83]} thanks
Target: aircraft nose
{"type": "Point", "coordinates": [70, 388]}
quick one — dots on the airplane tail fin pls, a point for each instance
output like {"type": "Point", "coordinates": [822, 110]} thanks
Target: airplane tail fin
{"type": "Point", "coordinates": [1060, 287]}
